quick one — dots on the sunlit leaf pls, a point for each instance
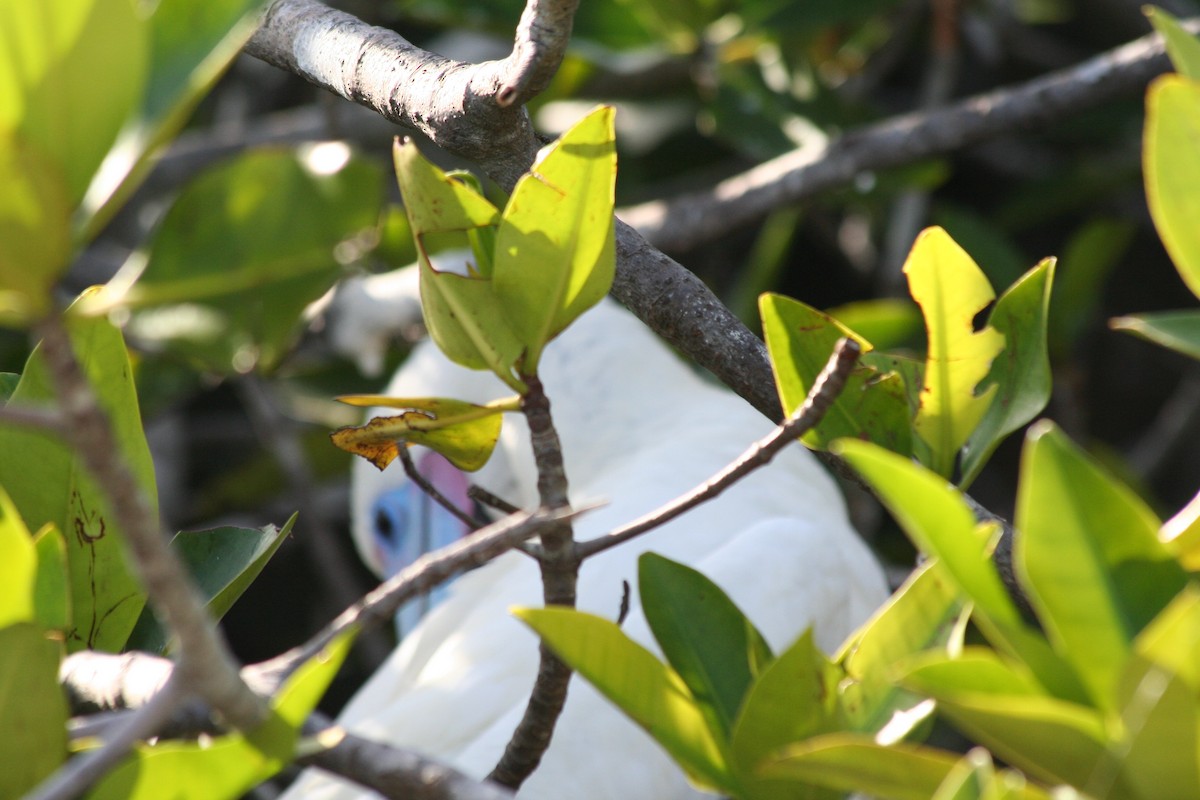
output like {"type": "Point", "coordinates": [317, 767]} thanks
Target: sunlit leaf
{"type": "Point", "coordinates": [921, 615]}
{"type": "Point", "coordinates": [796, 697]}
{"type": "Point", "coordinates": [555, 250]}
{"type": "Point", "coordinates": [465, 433]}
{"type": "Point", "coordinates": [1022, 374]}
{"type": "Point", "coordinates": [1094, 567]}
{"type": "Point", "coordinates": [648, 691]}
{"type": "Point", "coordinates": [800, 340]}
{"type": "Point", "coordinates": [935, 517]}
{"type": "Point", "coordinates": [1172, 639]}
{"type": "Point", "coordinates": [35, 233]}
{"type": "Point", "coordinates": [885, 322]}
{"type": "Point", "coordinates": [1182, 46]}
{"type": "Point", "coordinates": [951, 290]}
{"type": "Point", "coordinates": [18, 566]}
{"type": "Point", "coordinates": [1160, 748]}
{"type": "Point", "coordinates": [227, 766]}
{"type": "Point", "coordinates": [435, 202]}
{"type": "Point", "coordinates": [231, 267]}
{"type": "Point", "coordinates": [47, 481]}
{"type": "Point", "coordinates": [189, 46]}
{"type": "Point", "coordinates": [1181, 534]}
{"type": "Point", "coordinates": [223, 563]}
{"type": "Point", "coordinates": [854, 762]}
{"type": "Point", "coordinates": [1171, 162]}
{"type": "Point", "coordinates": [706, 639]}
{"type": "Point", "coordinates": [33, 740]}
{"type": "Point", "coordinates": [1177, 330]}
{"type": "Point", "coordinates": [1006, 711]}
{"type": "Point", "coordinates": [975, 777]}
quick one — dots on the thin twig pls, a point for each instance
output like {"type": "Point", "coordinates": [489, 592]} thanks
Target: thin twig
{"type": "Point", "coordinates": [422, 576]}
{"type": "Point", "coordinates": [484, 497]}
{"type": "Point", "coordinates": [207, 666]}
{"type": "Point", "coordinates": [410, 469]}
{"type": "Point", "coordinates": [690, 220]}
{"type": "Point", "coordinates": [826, 388]}
{"type": "Point", "coordinates": [560, 571]}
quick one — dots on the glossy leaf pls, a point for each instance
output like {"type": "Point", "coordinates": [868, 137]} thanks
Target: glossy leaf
{"type": "Point", "coordinates": [48, 483]}
{"type": "Point", "coordinates": [935, 517]}
{"type": "Point", "coordinates": [921, 615]}
{"type": "Point", "coordinates": [800, 340]}
{"type": "Point", "coordinates": [796, 697]}
{"type": "Point", "coordinates": [463, 432]}
{"type": "Point", "coordinates": [1181, 535]}
{"type": "Point", "coordinates": [997, 707]}
{"type": "Point", "coordinates": [1172, 639]}
{"type": "Point", "coordinates": [974, 777]}
{"type": "Point", "coordinates": [18, 567]}
{"type": "Point", "coordinates": [1176, 330]}
{"type": "Point", "coordinates": [189, 46]}
{"type": "Point", "coordinates": [231, 268]}
{"type": "Point", "coordinates": [1182, 46]}
{"type": "Point", "coordinates": [1171, 162]}
{"type": "Point", "coordinates": [52, 588]}
{"type": "Point", "coordinates": [644, 688]}
{"type": "Point", "coordinates": [951, 290]}
{"type": "Point", "coordinates": [35, 231]}
{"type": "Point", "coordinates": [555, 249]}
{"type": "Point", "coordinates": [226, 766]}
{"type": "Point", "coordinates": [1094, 567]}
{"type": "Point", "coordinates": [33, 741]}
{"type": "Point", "coordinates": [853, 762]}
{"type": "Point", "coordinates": [1160, 751]}
{"type": "Point", "coordinates": [223, 562]}
{"type": "Point", "coordinates": [1022, 373]}
{"type": "Point", "coordinates": [705, 637]}
{"type": "Point", "coordinates": [49, 77]}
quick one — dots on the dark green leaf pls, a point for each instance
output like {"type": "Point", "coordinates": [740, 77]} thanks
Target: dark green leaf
{"type": "Point", "coordinates": [33, 739]}
{"type": "Point", "coordinates": [1177, 330]}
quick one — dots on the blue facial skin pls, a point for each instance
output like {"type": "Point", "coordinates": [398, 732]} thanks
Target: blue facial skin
{"type": "Point", "coordinates": [406, 524]}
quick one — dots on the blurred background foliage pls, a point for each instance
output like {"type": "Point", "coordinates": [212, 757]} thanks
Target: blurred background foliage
{"type": "Point", "coordinates": [704, 89]}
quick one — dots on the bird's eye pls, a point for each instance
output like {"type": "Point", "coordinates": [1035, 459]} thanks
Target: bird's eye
{"type": "Point", "coordinates": [385, 528]}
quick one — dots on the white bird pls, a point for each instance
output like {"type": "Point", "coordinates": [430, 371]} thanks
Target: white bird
{"type": "Point", "coordinates": [638, 428]}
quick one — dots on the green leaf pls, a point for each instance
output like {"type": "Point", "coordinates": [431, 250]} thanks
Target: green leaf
{"type": "Point", "coordinates": [555, 250]}
{"type": "Point", "coordinates": [974, 777]}
{"type": "Point", "coordinates": [1177, 330]}
{"type": "Point", "coordinates": [1181, 535]}
{"type": "Point", "coordinates": [853, 762]}
{"type": "Point", "coordinates": [935, 517]}
{"type": "Point", "coordinates": [796, 697]}
{"type": "Point", "coordinates": [48, 483]}
{"type": "Point", "coordinates": [800, 340]}
{"type": "Point", "coordinates": [52, 587]}
{"type": "Point", "coordinates": [227, 766]}
{"type": "Point", "coordinates": [1172, 639]}
{"type": "Point", "coordinates": [1181, 45]}
{"type": "Point", "coordinates": [33, 742]}
{"type": "Point", "coordinates": [921, 615]}
{"type": "Point", "coordinates": [1160, 716]}
{"type": "Point", "coordinates": [998, 707]}
{"type": "Point", "coordinates": [8, 383]}
{"type": "Point", "coordinates": [223, 562]}
{"type": "Point", "coordinates": [1171, 162]}
{"type": "Point", "coordinates": [1089, 550]}
{"type": "Point", "coordinates": [18, 567]}
{"type": "Point", "coordinates": [35, 229]}
{"type": "Point", "coordinates": [465, 433]}
{"type": "Point", "coordinates": [190, 45]}
{"type": "Point", "coordinates": [1022, 375]}
{"type": "Point", "coordinates": [951, 290]}
{"type": "Point", "coordinates": [435, 201]}
{"type": "Point", "coordinates": [58, 66]}
{"type": "Point", "coordinates": [704, 636]}
{"type": "Point", "coordinates": [886, 322]}
{"type": "Point", "coordinates": [649, 692]}
{"type": "Point", "coordinates": [232, 267]}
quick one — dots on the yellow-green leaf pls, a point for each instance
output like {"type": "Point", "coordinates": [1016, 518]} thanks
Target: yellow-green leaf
{"type": "Point", "coordinates": [644, 688]}
{"type": "Point", "coordinates": [555, 250]}
{"type": "Point", "coordinates": [52, 587]}
{"type": "Point", "coordinates": [1171, 162]}
{"type": "Point", "coordinates": [18, 566]}
{"type": "Point", "coordinates": [435, 202]}
{"type": "Point", "coordinates": [951, 290]}
{"type": "Point", "coordinates": [465, 433]}
{"type": "Point", "coordinates": [1182, 46]}
{"type": "Point", "coordinates": [33, 738]}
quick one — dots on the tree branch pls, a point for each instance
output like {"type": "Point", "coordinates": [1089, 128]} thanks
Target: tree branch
{"type": "Point", "coordinates": [692, 219]}
{"type": "Point", "coordinates": [541, 42]}
{"type": "Point", "coordinates": [826, 388]}
{"type": "Point", "coordinates": [560, 571]}
{"type": "Point", "coordinates": [414, 475]}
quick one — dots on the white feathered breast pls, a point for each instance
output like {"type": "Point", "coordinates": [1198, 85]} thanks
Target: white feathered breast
{"type": "Point", "coordinates": [638, 428]}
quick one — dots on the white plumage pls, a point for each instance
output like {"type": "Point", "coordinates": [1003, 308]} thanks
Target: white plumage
{"type": "Point", "coordinates": [638, 428]}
